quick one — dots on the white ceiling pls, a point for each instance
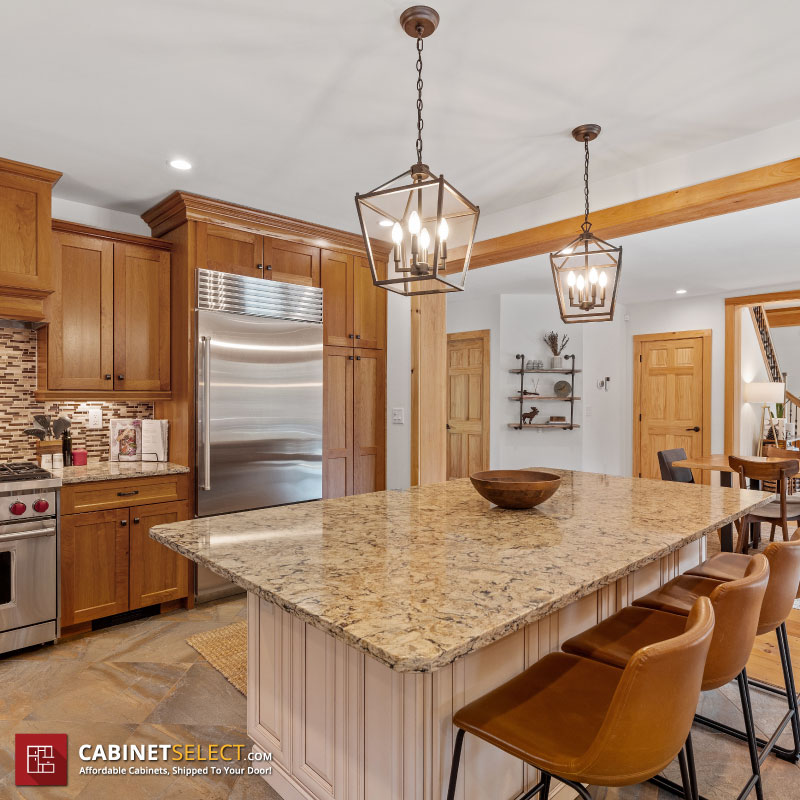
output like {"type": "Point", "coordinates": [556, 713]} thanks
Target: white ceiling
{"type": "Point", "coordinates": [732, 252]}
{"type": "Point", "coordinates": [292, 107]}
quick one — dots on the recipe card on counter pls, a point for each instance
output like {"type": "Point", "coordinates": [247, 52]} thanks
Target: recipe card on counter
{"type": "Point", "coordinates": [154, 439]}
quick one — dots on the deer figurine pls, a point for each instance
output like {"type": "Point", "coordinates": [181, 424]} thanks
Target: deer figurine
{"type": "Point", "coordinates": [529, 415]}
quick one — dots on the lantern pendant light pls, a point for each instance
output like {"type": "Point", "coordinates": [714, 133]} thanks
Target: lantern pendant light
{"type": "Point", "coordinates": [418, 229]}
{"type": "Point", "coordinates": [586, 271]}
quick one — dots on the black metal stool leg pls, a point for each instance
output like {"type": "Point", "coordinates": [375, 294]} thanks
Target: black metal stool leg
{"type": "Point", "coordinates": [689, 746]}
{"type": "Point", "coordinates": [451, 791]}
{"type": "Point", "coordinates": [791, 691]}
{"type": "Point", "coordinates": [582, 791]}
{"type": "Point", "coordinates": [687, 788]}
{"type": "Point", "coordinates": [747, 710]}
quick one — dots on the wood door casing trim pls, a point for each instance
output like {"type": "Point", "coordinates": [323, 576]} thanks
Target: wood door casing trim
{"type": "Point", "coordinates": [638, 340]}
{"type": "Point", "coordinates": [733, 361]}
{"type": "Point", "coordinates": [485, 335]}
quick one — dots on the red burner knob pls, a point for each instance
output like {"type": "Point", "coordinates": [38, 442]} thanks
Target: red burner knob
{"type": "Point", "coordinates": [41, 506]}
{"type": "Point", "coordinates": [17, 508]}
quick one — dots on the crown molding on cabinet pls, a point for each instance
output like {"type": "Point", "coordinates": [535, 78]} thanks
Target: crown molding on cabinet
{"type": "Point", "coordinates": [50, 176]}
{"type": "Point", "coordinates": [101, 233]}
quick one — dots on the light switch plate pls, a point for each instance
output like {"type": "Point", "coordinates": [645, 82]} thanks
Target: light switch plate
{"type": "Point", "coordinates": [95, 417]}
{"type": "Point", "coordinates": [398, 416]}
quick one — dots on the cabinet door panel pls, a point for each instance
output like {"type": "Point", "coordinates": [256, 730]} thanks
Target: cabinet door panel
{"type": "Point", "coordinates": [337, 422]}
{"type": "Point", "coordinates": [291, 262]}
{"type": "Point", "coordinates": [229, 250]}
{"type": "Point", "coordinates": [80, 337]}
{"type": "Point", "coordinates": [369, 421]}
{"type": "Point", "coordinates": [337, 286]}
{"type": "Point", "coordinates": [369, 305]}
{"type": "Point", "coordinates": [141, 318]}
{"type": "Point", "coordinates": [157, 574]}
{"type": "Point", "coordinates": [94, 565]}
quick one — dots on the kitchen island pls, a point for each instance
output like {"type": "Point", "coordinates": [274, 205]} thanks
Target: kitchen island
{"type": "Point", "coordinates": [373, 618]}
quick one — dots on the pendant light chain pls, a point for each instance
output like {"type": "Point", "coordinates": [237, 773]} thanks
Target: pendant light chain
{"type": "Point", "coordinates": [586, 224]}
{"type": "Point", "coordinates": [419, 94]}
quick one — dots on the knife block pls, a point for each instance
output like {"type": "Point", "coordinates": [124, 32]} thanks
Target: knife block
{"type": "Point", "coordinates": [47, 446]}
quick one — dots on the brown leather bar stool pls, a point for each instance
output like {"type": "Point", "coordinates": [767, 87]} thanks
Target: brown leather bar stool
{"type": "Point", "coordinates": [582, 721]}
{"type": "Point", "coordinates": [737, 605]}
{"type": "Point", "coordinates": [782, 590]}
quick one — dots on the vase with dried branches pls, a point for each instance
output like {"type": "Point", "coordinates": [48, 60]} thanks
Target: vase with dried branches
{"type": "Point", "coordinates": [556, 345]}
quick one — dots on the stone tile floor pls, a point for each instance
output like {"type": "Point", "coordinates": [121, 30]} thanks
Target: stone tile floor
{"type": "Point", "coordinates": [141, 682]}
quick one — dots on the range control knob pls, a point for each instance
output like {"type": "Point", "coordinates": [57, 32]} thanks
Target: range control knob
{"type": "Point", "coordinates": [17, 508]}
{"type": "Point", "coordinates": [41, 505]}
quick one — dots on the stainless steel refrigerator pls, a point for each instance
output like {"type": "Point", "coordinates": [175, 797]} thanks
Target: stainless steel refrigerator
{"type": "Point", "coordinates": [259, 398]}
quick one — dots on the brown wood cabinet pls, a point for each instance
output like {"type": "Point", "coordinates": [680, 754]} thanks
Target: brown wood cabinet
{"type": "Point", "coordinates": [255, 256]}
{"type": "Point", "coordinates": [337, 415]}
{"type": "Point", "coordinates": [109, 331]}
{"type": "Point", "coordinates": [109, 563]}
{"type": "Point", "coordinates": [25, 265]}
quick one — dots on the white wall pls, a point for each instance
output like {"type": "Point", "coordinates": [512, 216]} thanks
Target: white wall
{"type": "Point", "coordinates": [753, 369]}
{"type": "Point", "coordinates": [787, 347]}
{"type": "Point", "coordinates": [99, 217]}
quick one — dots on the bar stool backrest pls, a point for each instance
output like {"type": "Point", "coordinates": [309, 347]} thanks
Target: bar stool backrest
{"type": "Point", "coordinates": [737, 609]}
{"type": "Point", "coordinates": [784, 582]}
{"type": "Point", "coordinates": [653, 707]}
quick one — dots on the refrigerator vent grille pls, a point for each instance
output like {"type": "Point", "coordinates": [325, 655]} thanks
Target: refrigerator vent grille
{"type": "Point", "coordinates": [237, 294]}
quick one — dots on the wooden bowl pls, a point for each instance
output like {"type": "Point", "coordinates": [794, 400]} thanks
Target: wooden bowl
{"type": "Point", "coordinates": [516, 488]}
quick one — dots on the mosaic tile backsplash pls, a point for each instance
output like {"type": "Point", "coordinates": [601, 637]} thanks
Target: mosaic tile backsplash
{"type": "Point", "coordinates": [17, 404]}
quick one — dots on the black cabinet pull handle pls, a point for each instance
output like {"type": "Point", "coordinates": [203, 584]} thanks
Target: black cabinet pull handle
{"type": "Point", "coordinates": [107, 377]}
{"type": "Point", "coordinates": [128, 494]}
{"type": "Point", "coordinates": [696, 429]}
{"type": "Point", "coordinates": [123, 523]}
{"type": "Point", "coordinates": [120, 377]}
{"type": "Point", "coordinates": [136, 520]}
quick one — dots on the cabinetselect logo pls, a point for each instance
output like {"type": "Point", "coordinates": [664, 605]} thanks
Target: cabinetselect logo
{"type": "Point", "coordinates": [40, 759]}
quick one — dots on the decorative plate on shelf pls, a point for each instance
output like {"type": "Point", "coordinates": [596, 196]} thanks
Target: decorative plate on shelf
{"type": "Point", "coordinates": [562, 388]}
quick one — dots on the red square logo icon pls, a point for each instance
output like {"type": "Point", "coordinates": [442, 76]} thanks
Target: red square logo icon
{"type": "Point", "coordinates": [40, 759]}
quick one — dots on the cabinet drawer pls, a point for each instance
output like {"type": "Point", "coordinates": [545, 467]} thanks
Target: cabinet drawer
{"type": "Point", "coordinates": [102, 495]}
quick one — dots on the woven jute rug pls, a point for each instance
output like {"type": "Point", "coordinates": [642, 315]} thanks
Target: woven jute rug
{"type": "Point", "coordinates": [226, 650]}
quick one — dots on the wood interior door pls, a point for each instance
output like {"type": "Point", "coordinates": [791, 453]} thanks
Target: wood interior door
{"type": "Point", "coordinates": [141, 318]}
{"type": "Point", "coordinates": [229, 250]}
{"type": "Point", "coordinates": [291, 262]}
{"type": "Point", "coordinates": [94, 565]}
{"type": "Point", "coordinates": [157, 574]}
{"type": "Point", "coordinates": [80, 337]}
{"type": "Point", "coordinates": [369, 421]}
{"type": "Point", "coordinates": [337, 422]}
{"type": "Point", "coordinates": [671, 397]}
{"type": "Point", "coordinates": [369, 305]}
{"type": "Point", "coordinates": [337, 299]}
{"type": "Point", "coordinates": [468, 382]}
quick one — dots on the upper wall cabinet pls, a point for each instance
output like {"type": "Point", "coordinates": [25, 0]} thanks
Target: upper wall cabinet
{"type": "Point", "coordinates": [109, 331]}
{"type": "Point", "coordinates": [25, 268]}
{"type": "Point", "coordinates": [256, 256]}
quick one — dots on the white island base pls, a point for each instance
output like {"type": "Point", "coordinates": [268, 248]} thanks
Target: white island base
{"type": "Point", "coordinates": [343, 726]}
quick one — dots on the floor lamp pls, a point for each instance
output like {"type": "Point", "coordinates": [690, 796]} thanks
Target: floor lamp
{"type": "Point", "coordinates": [765, 394]}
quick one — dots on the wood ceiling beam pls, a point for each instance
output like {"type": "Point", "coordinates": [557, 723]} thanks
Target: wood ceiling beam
{"type": "Point", "coordinates": [756, 187]}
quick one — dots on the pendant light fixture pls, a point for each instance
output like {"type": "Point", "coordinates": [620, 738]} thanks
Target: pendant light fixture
{"type": "Point", "coordinates": [586, 271]}
{"type": "Point", "coordinates": [418, 215]}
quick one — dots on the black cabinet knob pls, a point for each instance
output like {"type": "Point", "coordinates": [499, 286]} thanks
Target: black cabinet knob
{"type": "Point", "coordinates": [269, 266]}
{"type": "Point", "coordinates": [259, 266]}
{"type": "Point", "coordinates": [107, 377]}
{"type": "Point", "coordinates": [358, 358]}
{"type": "Point", "coordinates": [123, 523]}
{"type": "Point", "coordinates": [120, 377]}
{"type": "Point", "coordinates": [349, 358]}
{"type": "Point", "coordinates": [136, 520]}
{"type": "Point", "coordinates": [350, 336]}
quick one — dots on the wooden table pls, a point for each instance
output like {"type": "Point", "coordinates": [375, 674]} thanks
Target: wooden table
{"type": "Point", "coordinates": [718, 462]}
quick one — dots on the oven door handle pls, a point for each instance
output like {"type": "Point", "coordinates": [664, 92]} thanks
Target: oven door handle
{"type": "Point", "coordinates": [13, 537]}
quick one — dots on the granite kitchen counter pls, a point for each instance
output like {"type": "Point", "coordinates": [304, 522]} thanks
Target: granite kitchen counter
{"type": "Point", "coordinates": [418, 578]}
{"type": "Point", "coordinates": [117, 470]}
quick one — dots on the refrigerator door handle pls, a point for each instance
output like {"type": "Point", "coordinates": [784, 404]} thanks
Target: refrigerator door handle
{"type": "Point", "coordinates": [206, 485]}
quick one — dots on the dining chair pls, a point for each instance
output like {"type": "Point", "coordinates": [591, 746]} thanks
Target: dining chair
{"type": "Point", "coordinates": [793, 489]}
{"type": "Point", "coordinates": [666, 460]}
{"type": "Point", "coordinates": [779, 511]}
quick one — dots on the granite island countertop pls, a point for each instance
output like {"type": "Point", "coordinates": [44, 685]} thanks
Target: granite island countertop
{"type": "Point", "coordinates": [418, 578]}
{"type": "Point", "coordinates": [116, 470]}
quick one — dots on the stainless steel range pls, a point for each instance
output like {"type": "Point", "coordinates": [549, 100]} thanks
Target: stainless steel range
{"type": "Point", "coordinates": [29, 557]}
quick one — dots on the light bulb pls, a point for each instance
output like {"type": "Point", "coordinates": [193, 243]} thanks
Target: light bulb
{"type": "Point", "coordinates": [603, 280]}
{"type": "Point", "coordinates": [581, 283]}
{"type": "Point", "coordinates": [413, 223]}
{"type": "Point", "coordinates": [424, 239]}
{"type": "Point", "coordinates": [570, 278]}
{"type": "Point", "coordinates": [444, 229]}
{"type": "Point", "coordinates": [397, 233]}
{"type": "Point", "coordinates": [592, 275]}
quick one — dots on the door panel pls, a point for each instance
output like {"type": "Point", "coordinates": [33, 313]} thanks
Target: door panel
{"type": "Point", "coordinates": [229, 250]}
{"type": "Point", "coordinates": [94, 565]}
{"type": "Point", "coordinates": [80, 337]}
{"type": "Point", "coordinates": [467, 403]}
{"type": "Point", "coordinates": [671, 401]}
{"type": "Point", "coordinates": [157, 574]}
{"type": "Point", "coordinates": [369, 421]}
{"type": "Point", "coordinates": [337, 422]}
{"type": "Point", "coordinates": [291, 262]}
{"type": "Point", "coordinates": [337, 287]}
{"type": "Point", "coordinates": [369, 306]}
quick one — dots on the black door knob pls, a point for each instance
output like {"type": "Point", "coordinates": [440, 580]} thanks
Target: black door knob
{"type": "Point", "coordinates": [696, 429]}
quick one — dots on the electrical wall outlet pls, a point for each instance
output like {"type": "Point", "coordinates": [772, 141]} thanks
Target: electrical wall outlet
{"type": "Point", "coordinates": [95, 417]}
{"type": "Point", "coordinates": [398, 416]}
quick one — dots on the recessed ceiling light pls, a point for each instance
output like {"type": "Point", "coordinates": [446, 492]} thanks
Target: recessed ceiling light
{"type": "Point", "coordinates": [386, 223]}
{"type": "Point", "coordinates": [680, 291]}
{"type": "Point", "coordinates": [179, 163]}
